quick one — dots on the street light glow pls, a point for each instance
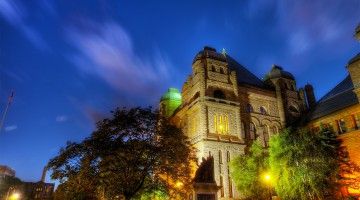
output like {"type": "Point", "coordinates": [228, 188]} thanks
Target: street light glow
{"type": "Point", "coordinates": [15, 196]}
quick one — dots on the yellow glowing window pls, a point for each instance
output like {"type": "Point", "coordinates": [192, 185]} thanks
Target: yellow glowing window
{"type": "Point", "coordinates": [221, 123]}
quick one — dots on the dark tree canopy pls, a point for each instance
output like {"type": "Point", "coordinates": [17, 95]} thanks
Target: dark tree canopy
{"type": "Point", "coordinates": [133, 152]}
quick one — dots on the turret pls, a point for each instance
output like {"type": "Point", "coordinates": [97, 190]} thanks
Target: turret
{"type": "Point", "coordinates": [310, 96]}
{"type": "Point", "coordinates": [170, 101]}
{"type": "Point", "coordinates": [284, 84]}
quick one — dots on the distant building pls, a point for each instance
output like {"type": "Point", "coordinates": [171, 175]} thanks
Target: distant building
{"type": "Point", "coordinates": [38, 190]}
{"type": "Point", "coordinates": [6, 171]}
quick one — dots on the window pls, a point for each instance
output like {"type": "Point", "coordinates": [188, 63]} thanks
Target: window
{"type": "Point", "coordinates": [266, 135]}
{"type": "Point", "coordinates": [249, 108]}
{"type": "Point", "coordinates": [228, 156]}
{"type": "Point", "coordinates": [252, 131]}
{"type": "Point", "coordinates": [213, 68]}
{"type": "Point", "coordinates": [230, 188]}
{"type": "Point", "coordinates": [221, 71]}
{"type": "Point", "coordinates": [220, 157]}
{"type": "Point", "coordinates": [222, 186]}
{"type": "Point", "coordinates": [275, 130]}
{"type": "Point", "coordinates": [221, 124]}
{"type": "Point", "coordinates": [263, 110]}
{"type": "Point", "coordinates": [342, 125]}
{"type": "Point", "coordinates": [219, 94]}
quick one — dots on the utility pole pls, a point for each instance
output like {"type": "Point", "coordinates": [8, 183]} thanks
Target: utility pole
{"type": "Point", "coordinates": [10, 100]}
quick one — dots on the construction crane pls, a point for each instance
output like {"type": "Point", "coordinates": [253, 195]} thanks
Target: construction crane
{"type": "Point", "coordinates": [10, 100]}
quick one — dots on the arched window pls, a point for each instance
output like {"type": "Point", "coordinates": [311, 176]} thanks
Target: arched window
{"type": "Point", "coordinates": [213, 68]}
{"type": "Point", "coordinates": [219, 94]}
{"type": "Point", "coordinates": [275, 130]}
{"type": "Point", "coordinates": [249, 108]}
{"type": "Point", "coordinates": [293, 109]}
{"type": "Point", "coordinates": [228, 156]}
{"type": "Point", "coordinates": [266, 135]}
{"type": "Point", "coordinates": [252, 131]}
{"type": "Point", "coordinates": [263, 110]}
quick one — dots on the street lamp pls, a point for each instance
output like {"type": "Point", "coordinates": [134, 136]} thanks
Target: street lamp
{"type": "Point", "coordinates": [15, 196]}
{"type": "Point", "coordinates": [267, 179]}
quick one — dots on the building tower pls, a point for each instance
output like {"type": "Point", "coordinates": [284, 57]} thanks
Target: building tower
{"type": "Point", "coordinates": [210, 116]}
{"type": "Point", "coordinates": [290, 101]}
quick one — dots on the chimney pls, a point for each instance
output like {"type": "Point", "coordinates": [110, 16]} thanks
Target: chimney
{"type": "Point", "coordinates": [310, 96]}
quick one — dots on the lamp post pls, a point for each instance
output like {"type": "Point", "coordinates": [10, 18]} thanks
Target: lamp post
{"type": "Point", "coordinates": [267, 180]}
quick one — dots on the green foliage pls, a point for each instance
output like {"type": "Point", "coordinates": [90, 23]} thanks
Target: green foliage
{"type": "Point", "coordinates": [247, 172]}
{"type": "Point", "coordinates": [304, 164]}
{"type": "Point", "coordinates": [128, 154]}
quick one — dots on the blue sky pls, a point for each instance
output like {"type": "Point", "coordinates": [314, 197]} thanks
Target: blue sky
{"type": "Point", "coordinates": [71, 62]}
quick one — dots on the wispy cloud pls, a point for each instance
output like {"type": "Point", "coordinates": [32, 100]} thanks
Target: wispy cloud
{"type": "Point", "coordinates": [61, 118]}
{"type": "Point", "coordinates": [305, 25]}
{"type": "Point", "coordinates": [106, 51]}
{"type": "Point", "coordinates": [15, 14]}
{"type": "Point", "coordinates": [10, 128]}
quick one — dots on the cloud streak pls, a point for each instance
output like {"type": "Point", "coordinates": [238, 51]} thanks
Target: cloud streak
{"type": "Point", "coordinates": [61, 118]}
{"type": "Point", "coordinates": [10, 128]}
{"type": "Point", "coordinates": [15, 14]}
{"type": "Point", "coordinates": [106, 51]}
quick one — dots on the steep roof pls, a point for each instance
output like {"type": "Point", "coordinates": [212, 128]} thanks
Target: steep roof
{"type": "Point", "coordinates": [244, 76]}
{"type": "Point", "coordinates": [340, 97]}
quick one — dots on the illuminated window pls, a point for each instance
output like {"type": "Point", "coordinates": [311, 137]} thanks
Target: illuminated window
{"type": "Point", "coordinates": [193, 124]}
{"type": "Point", "coordinates": [221, 124]}
{"type": "Point", "coordinates": [343, 127]}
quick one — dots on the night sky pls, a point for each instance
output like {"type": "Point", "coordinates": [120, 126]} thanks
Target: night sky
{"type": "Point", "coordinates": [71, 62]}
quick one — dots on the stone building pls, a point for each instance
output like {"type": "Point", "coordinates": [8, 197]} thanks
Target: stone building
{"type": "Point", "coordinates": [223, 107]}
{"type": "Point", "coordinates": [339, 109]}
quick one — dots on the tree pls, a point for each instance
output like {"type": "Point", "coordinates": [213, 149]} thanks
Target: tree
{"type": "Point", "coordinates": [247, 172]}
{"type": "Point", "coordinates": [136, 151]}
{"type": "Point", "coordinates": [305, 165]}
{"type": "Point", "coordinates": [6, 183]}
